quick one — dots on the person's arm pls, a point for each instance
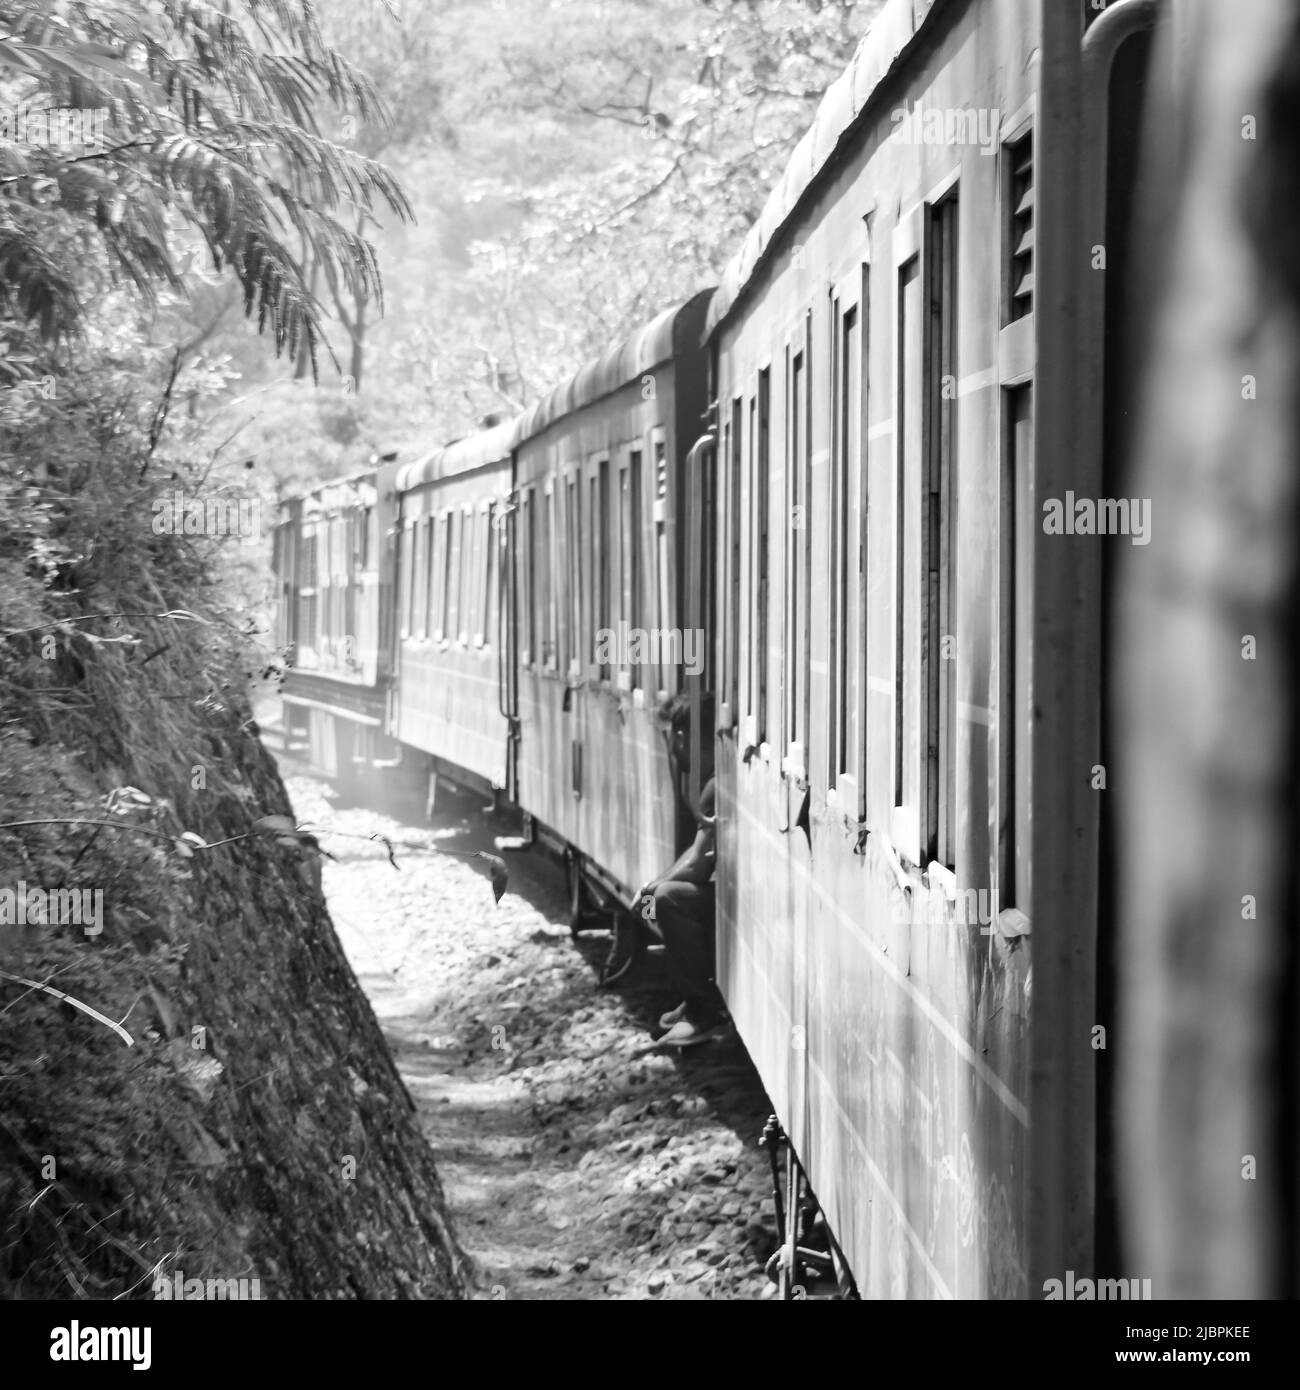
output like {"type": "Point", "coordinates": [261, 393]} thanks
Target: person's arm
{"type": "Point", "coordinates": [696, 863]}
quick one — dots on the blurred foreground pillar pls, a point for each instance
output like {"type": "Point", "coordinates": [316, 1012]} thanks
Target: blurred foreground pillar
{"type": "Point", "coordinates": [1204, 671]}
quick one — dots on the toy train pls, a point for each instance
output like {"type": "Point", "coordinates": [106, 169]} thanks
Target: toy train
{"type": "Point", "coordinates": [815, 493]}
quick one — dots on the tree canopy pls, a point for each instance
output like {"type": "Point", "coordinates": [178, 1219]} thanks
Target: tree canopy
{"type": "Point", "coordinates": [137, 129]}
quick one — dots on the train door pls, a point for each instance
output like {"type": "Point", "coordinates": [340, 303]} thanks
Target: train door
{"type": "Point", "coordinates": [698, 595]}
{"type": "Point", "coordinates": [1116, 68]}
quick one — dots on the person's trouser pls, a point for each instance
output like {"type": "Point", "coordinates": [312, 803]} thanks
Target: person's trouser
{"type": "Point", "coordinates": [686, 914]}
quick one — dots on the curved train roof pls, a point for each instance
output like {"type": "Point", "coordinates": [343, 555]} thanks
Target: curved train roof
{"type": "Point", "coordinates": [623, 362]}
{"type": "Point", "coordinates": [615, 367]}
{"type": "Point", "coordinates": [475, 450]}
{"type": "Point", "coordinates": [337, 494]}
{"type": "Point", "coordinates": [891, 33]}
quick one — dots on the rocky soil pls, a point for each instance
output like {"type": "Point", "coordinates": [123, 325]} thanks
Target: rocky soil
{"type": "Point", "coordinates": [579, 1161]}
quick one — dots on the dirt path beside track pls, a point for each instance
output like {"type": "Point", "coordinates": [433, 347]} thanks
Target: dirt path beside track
{"type": "Point", "coordinates": [579, 1161]}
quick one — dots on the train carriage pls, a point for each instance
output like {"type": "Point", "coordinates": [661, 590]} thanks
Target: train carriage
{"type": "Point", "coordinates": [447, 702]}
{"type": "Point", "coordinates": [333, 558]}
{"type": "Point", "coordinates": [909, 677]}
{"type": "Point", "coordinates": [600, 616]}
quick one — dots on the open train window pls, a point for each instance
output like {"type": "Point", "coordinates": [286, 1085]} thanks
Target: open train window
{"type": "Point", "coordinates": [751, 572]}
{"type": "Point", "coordinates": [501, 535]}
{"type": "Point", "coordinates": [438, 577]}
{"type": "Point", "coordinates": [1015, 566]}
{"type": "Point", "coordinates": [478, 563]}
{"type": "Point", "coordinates": [573, 547]}
{"type": "Point", "coordinates": [548, 615]}
{"type": "Point", "coordinates": [487, 557]}
{"type": "Point", "coordinates": [847, 614]}
{"type": "Point", "coordinates": [307, 601]}
{"type": "Point", "coordinates": [798, 498]}
{"type": "Point", "coordinates": [629, 551]}
{"type": "Point", "coordinates": [451, 571]}
{"type": "Point", "coordinates": [906, 545]}
{"type": "Point", "coordinates": [420, 613]}
{"type": "Point", "coordinates": [406, 577]}
{"type": "Point", "coordinates": [938, 617]}
{"type": "Point", "coordinates": [441, 552]}
{"type": "Point", "coordinates": [760, 426]}
{"type": "Point", "coordinates": [468, 574]}
{"type": "Point", "coordinates": [731, 554]}
{"type": "Point", "coordinates": [598, 526]}
{"type": "Point", "coordinates": [527, 560]}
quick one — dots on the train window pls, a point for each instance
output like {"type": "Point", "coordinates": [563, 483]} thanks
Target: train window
{"type": "Point", "coordinates": [406, 576]}
{"type": "Point", "coordinates": [598, 513]}
{"type": "Point", "coordinates": [549, 610]}
{"type": "Point", "coordinates": [351, 584]}
{"type": "Point", "coordinates": [437, 544]}
{"type": "Point", "coordinates": [444, 576]}
{"type": "Point", "coordinates": [845, 627]}
{"type": "Point", "coordinates": [573, 545]}
{"type": "Point", "coordinates": [527, 583]}
{"type": "Point", "coordinates": [451, 599]}
{"type": "Point", "coordinates": [494, 545]}
{"type": "Point", "coordinates": [665, 618]}
{"type": "Point", "coordinates": [468, 573]}
{"type": "Point", "coordinates": [322, 615]}
{"type": "Point", "coordinates": [938, 614]}
{"type": "Point", "coordinates": [906, 527]}
{"type": "Point", "coordinates": [478, 577]}
{"type": "Point", "coordinates": [762, 406]}
{"type": "Point", "coordinates": [420, 611]}
{"type": "Point", "coordinates": [441, 557]}
{"type": "Point", "coordinates": [1015, 561]}
{"type": "Point", "coordinates": [731, 551]}
{"type": "Point", "coordinates": [1018, 228]}
{"type": "Point", "coordinates": [751, 570]}
{"type": "Point", "coordinates": [307, 600]}
{"type": "Point", "coordinates": [465, 564]}
{"type": "Point", "coordinates": [629, 548]}
{"type": "Point", "coordinates": [797, 566]}
{"type": "Point", "coordinates": [487, 570]}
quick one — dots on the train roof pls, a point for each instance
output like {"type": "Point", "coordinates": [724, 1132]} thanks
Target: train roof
{"type": "Point", "coordinates": [357, 489]}
{"type": "Point", "coordinates": [882, 47]}
{"type": "Point", "coordinates": [475, 450]}
{"type": "Point", "coordinates": [619, 364]}
{"type": "Point", "coordinates": [615, 367]}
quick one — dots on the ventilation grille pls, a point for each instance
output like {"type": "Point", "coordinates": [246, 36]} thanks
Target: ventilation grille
{"type": "Point", "coordinates": [1021, 230]}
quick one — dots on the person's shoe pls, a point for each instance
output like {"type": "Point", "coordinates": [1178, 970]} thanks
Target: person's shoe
{"type": "Point", "coordinates": [625, 950]}
{"type": "Point", "coordinates": [673, 1016]}
{"type": "Point", "coordinates": [684, 1033]}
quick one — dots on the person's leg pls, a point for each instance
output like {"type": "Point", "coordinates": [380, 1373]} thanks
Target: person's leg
{"type": "Point", "coordinates": [685, 914]}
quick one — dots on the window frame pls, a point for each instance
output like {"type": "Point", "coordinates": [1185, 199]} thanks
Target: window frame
{"type": "Point", "coordinates": [850, 550]}
{"type": "Point", "coordinates": [466, 576]}
{"type": "Point", "coordinates": [798, 438]}
{"type": "Point", "coordinates": [662, 507]}
{"type": "Point", "coordinates": [631, 474]}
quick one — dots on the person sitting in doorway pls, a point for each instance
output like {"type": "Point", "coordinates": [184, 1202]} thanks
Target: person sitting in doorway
{"type": "Point", "coordinates": [679, 906]}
